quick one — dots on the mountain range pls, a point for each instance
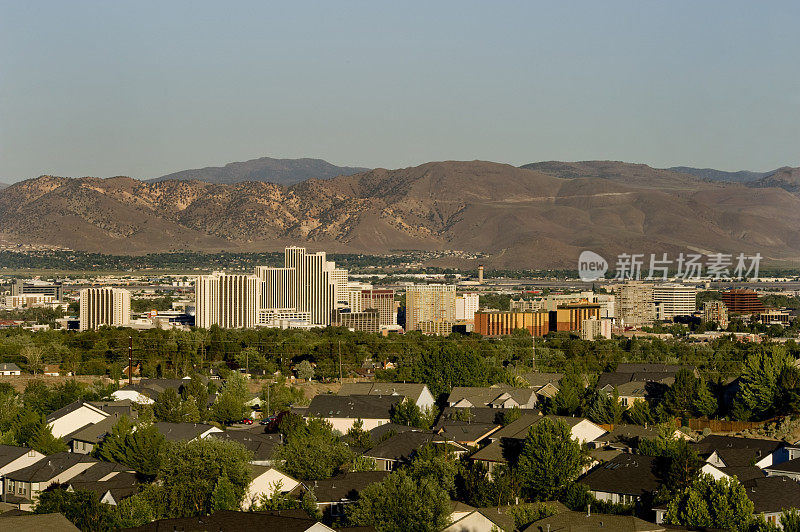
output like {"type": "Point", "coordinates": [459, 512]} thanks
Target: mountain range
{"type": "Point", "coordinates": [538, 216]}
{"type": "Point", "coordinates": [279, 171]}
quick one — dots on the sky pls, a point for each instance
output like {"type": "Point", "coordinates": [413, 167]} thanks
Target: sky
{"type": "Point", "coordinates": [147, 88]}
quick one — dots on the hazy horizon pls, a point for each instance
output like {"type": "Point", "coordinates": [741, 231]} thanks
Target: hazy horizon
{"type": "Point", "coordinates": [147, 89]}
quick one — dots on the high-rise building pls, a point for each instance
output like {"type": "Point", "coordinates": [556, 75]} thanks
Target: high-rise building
{"type": "Point", "coordinates": [742, 301]}
{"type": "Point", "coordinates": [230, 301]}
{"type": "Point", "coordinates": [504, 322]}
{"type": "Point", "coordinates": [434, 303]}
{"type": "Point", "coordinates": [277, 287]}
{"type": "Point", "coordinates": [367, 320]}
{"type": "Point", "coordinates": [674, 299]}
{"type": "Point", "coordinates": [466, 306]}
{"type": "Point", "coordinates": [104, 306]}
{"type": "Point", "coordinates": [570, 316]}
{"type": "Point", "coordinates": [35, 286]}
{"type": "Point", "coordinates": [634, 304]}
{"type": "Point", "coordinates": [715, 312]}
{"type": "Point", "coordinates": [594, 328]}
{"type": "Point", "coordinates": [381, 300]}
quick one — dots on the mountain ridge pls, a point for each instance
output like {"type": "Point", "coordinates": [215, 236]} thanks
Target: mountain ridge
{"type": "Point", "coordinates": [518, 217]}
{"type": "Point", "coordinates": [267, 169]}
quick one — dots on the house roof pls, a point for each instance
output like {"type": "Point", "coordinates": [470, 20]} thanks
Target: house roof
{"type": "Point", "coordinates": [95, 433]}
{"type": "Point", "coordinates": [411, 390]}
{"type": "Point", "coordinates": [773, 494]}
{"type": "Point", "coordinates": [629, 474]}
{"type": "Point", "coordinates": [735, 451]}
{"type": "Point", "coordinates": [99, 471]}
{"type": "Point", "coordinates": [744, 473]}
{"type": "Point", "coordinates": [49, 466]}
{"type": "Point", "coordinates": [626, 435]}
{"type": "Point", "coordinates": [9, 366]}
{"type": "Point", "coordinates": [72, 407]}
{"type": "Point", "coordinates": [121, 485]}
{"type": "Point", "coordinates": [504, 519]}
{"type": "Point", "coordinates": [227, 520]}
{"type": "Point", "coordinates": [481, 414]}
{"type": "Point", "coordinates": [9, 453]}
{"type": "Point", "coordinates": [124, 407]}
{"type": "Point", "coordinates": [592, 522]}
{"type": "Point", "coordinates": [636, 367]}
{"type": "Point", "coordinates": [353, 406]}
{"type": "Point", "coordinates": [519, 428]}
{"type": "Point", "coordinates": [633, 389]}
{"type": "Point", "coordinates": [791, 466]}
{"type": "Point", "coordinates": [485, 396]}
{"type": "Point", "coordinates": [464, 432]}
{"type": "Point", "coordinates": [55, 522]}
{"type": "Point", "coordinates": [182, 431]}
{"type": "Point", "coordinates": [537, 379]}
{"type": "Point", "coordinates": [345, 486]}
{"type": "Point", "coordinates": [403, 445]}
{"type": "Point", "coordinates": [261, 445]}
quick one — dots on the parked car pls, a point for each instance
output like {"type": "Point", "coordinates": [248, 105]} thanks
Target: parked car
{"type": "Point", "coordinates": [246, 421]}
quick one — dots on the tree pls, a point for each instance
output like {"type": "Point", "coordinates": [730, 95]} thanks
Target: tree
{"type": "Point", "coordinates": [789, 390]}
{"type": "Point", "coordinates": [438, 464]}
{"type": "Point", "coordinates": [568, 401]}
{"type": "Point", "coordinates": [400, 503]}
{"type": "Point", "coordinates": [408, 413]}
{"type": "Point", "coordinates": [550, 459]}
{"type": "Point", "coordinates": [196, 391]}
{"type": "Point", "coordinates": [759, 379]}
{"type": "Point", "coordinates": [190, 473]}
{"type": "Point", "coordinates": [358, 437]}
{"type": "Point", "coordinates": [790, 520]}
{"type": "Point", "coordinates": [168, 407]}
{"type": "Point", "coordinates": [142, 449]}
{"type": "Point", "coordinates": [705, 403]}
{"type": "Point", "coordinates": [41, 439]}
{"type": "Point", "coordinates": [82, 507]}
{"type": "Point", "coordinates": [606, 408]}
{"type": "Point", "coordinates": [679, 399]}
{"type": "Point", "coordinates": [305, 370]}
{"type": "Point", "coordinates": [640, 414]}
{"type": "Point", "coordinates": [511, 415]}
{"type": "Point", "coordinates": [278, 397]}
{"type": "Point", "coordinates": [224, 495]}
{"type": "Point", "coordinates": [449, 364]}
{"type": "Point", "coordinates": [708, 503]}
{"type": "Point", "coordinates": [135, 511]}
{"type": "Point", "coordinates": [34, 356]}
{"type": "Point", "coordinates": [312, 451]}
{"type": "Point", "coordinates": [231, 404]}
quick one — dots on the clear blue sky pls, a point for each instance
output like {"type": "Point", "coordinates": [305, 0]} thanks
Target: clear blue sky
{"type": "Point", "coordinates": [146, 88]}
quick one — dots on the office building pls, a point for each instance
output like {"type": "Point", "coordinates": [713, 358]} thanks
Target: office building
{"type": "Point", "coordinates": [277, 288]}
{"type": "Point", "coordinates": [570, 316]}
{"type": "Point", "coordinates": [774, 316]}
{"type": "Point", "coordinates": [505, 322]}
{"type": "Point", "coordinates": [466, 306]}
{"type": "Point", "coordinates": [367, 320]}
{"type": "Point", "coordinates": [23, 288]}
{"type": "Point", "coordinates": [593, 328]}
{"type": "Point", "coordinates": [742, 301]}
{"type": "Point", "coordinates": [27, 300]}
{"type": "Point", "coordinates": [674, 299]}
{"type": "Point", "coordinates": [716, 312]}
{"type": "Point", "coordinates": [434, 303]}
{"type": "Point", "coordinates": [104, 306]}
{"type": "Point", "coordinates": [230, 301]}
{"type": "Point", "coordinates": [634, 304]}
{"type": "Point", "coordinates": [381, 300]}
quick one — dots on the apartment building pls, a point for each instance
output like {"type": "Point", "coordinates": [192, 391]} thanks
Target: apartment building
{"type": "Point", "coordinates": [466, 306]}
{"type": "Point", "coordinates": [431, 304]}
{"type": "Point", "coordinates": [634, 304]}
{"type": "Point", "coordinates": [104, 306]}
{"type": "Point", "coordinates": [227, 300]}
{"type": "Point", "coordinates": [715, 312]}
{"type": "Point", "coordinates": [674, 299]}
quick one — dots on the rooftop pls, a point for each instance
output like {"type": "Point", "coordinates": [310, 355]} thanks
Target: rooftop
{"type": "Point", "coordinates": [628, 474]}
{"type": "Point", "coordinates": [353, 406]}
{"type": "Point", "coordinates": [344, 487]}
{"type": "Point", "coordinates": [49, 466]}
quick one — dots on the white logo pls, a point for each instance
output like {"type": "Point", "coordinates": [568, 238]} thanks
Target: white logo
{"type": "Point", "coordinates": [591, 266]}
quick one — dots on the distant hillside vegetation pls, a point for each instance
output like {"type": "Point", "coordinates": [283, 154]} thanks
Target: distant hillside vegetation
{"type": "Point", "coordinates": [742, 176]}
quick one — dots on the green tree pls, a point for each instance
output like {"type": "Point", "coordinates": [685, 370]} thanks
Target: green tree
{"type": "Point", "coordinates": [448, 364]}
{"type": "Point", "coordinates": [41, 439]}
{"type": "Point", "coordinates": [549, 461]}
{"type": "Point", "coordinates": [400, 503]}
{"type": "Point", "coordinates": [568, 401]}
{"type": "Point", "coordinates": [759, 380]}
{"type": "Point", "coordinates": [708, 503]}
{"type": "Point", "coordinates": [640, 414]}
{"type": "Point", "coordinates": [358, 437]}
{"type": "Point", "coordinates": [135, 511]}
{"type": "Point", "coordinates": [305, 370]}
{"type": "Point", "coordinates": [231, 404]}
{"type": "Point", "coordinates": [790, 520]}
{"type": "Point", "coordinates": [278, 397]}
{"type": "Point", "coordinates": [679, 399]}
{"type": "Point", "coordinates": [141, 449]}
{"type": "Point", "coordinates": [511, 415]}
{"type": "Point", "coordinates": [191, 470]}
{"type": "Point", "coordinates": [224, 495]}
{"type": "Point", "coordinates": [82, 507]}
{"type": "Point", "coordinates": [789, 390]}
{"type": "Point", "coordinates": [438, 464]}
{"type": "Point", "coordinates": [606, 408]}
{"type": "Point", "coordinates": [705, 403]}
{"type": "Point", "coordinates": [408, 413]}
{"type": "Point", "coordinates": [312, 451]}
{"type": "Point", "coordinates": [169, 407]}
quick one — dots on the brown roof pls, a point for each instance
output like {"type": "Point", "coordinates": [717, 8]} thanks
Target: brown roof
{"type": "Point", "coordinates": [38, 523]}
{"type": "Point", "coordinates": [592, 522]}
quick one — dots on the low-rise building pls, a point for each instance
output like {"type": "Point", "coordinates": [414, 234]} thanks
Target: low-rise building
{"type": "Point", "coordinates": [342, 411]}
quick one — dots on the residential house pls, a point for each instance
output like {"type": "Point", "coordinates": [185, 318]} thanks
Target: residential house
{"type": "Point", "coordinates": [625, 479]}
{"type": "Point", "coordinates": [507, 442]}
{"type": "Point", "coordinates": [55, 522]}
{"type": "Point", "coordinates": [790, 469]}
{"type": "Point", "coordinates": [772, 495]}
{"type": "Point", "coordinates": [54, 370]}
{"type": "Point", "coordinates": [146, 391]}
{"type": "Point", "coordinates": [263, 446]}
{"type": "Point", "coordinates": [471, 426]}
{"type": "Point", "coordinates": [588, 521]}
{"type": "Point", "coordinates": [334, 494]}
{"type": "Point", "coordinates": [13, 458]}
{"type": "Point", "coordinates": [9, 369]}
{"type": "Point", "coordinates": [544, 384]}
{"type": "Point", "coordinates": [111, 482]}
{"type": "Point", "coordinates": [731, 451]}
{"type": "Point", "coordinates": [494, 518]}
{"type": "Point", "coordinates": [499, 396]}
{"type": "Point", "coordinates": [265, 482]}
{"type": "Point", "coordinates": [400, 448]}
{"type": "Point", "coordinates": [227, 520]}
{"type": "Point", "coordinates": [342, 411]}
{"type": "Point", "coordinates": [84, 440]}
{"type": "Point", "coordinates": [626, 438]}
{"type": "Point", "coordinates": [418, 393]}
{"type": "Point", "coordinates": [635, 382]}
{"type": "Point", "coordinates": [185, 431]}
{"type": "Point", "coordinates": [24, 485]}
{"type": "Point", "coordinates": [74, 417]}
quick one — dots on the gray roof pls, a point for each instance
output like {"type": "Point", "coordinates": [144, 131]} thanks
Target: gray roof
{"type": "Point", "coordinates": [39, 523]}
{"type": "Point", "coordinates": [791, 466]}
{"type": "Point", "coordinates": [283, 520]}
{"type": "Point", "coordinates": [124, 407]}
{"type": "Point", "coordinates": [411, 390]}
{"type": "Point", "coordinates": [63, 411]}
{"type": "Point", "coordinates": [485, 396]}
{"type": "Point", "coordinates": [592, 522]}
{"type": "Point", "coordinates": [504, 519]}
{"type": "Point", "coordinates": [464, 432]}
{"type": "Point", "coordinates": [9, 366]}
{"type": "Point", "coordinates": [735, 451]}
{"type": "Point", "coordinates": [628, 474]}
{"type": "Point", "coordinates": [627, 436]}
{"type": "Point", "coordinates": [402, 446]}
{"type": "Point", "coordinates": [262, 446]}
{"type": "Point", "coordinates": [181, 431]}
{"type": "Point", "coordinates": [353, 406]}
{"type": "Point", "coordinates": [773, 494]}
{"type": "Point", "coordinates": [97, 432]}
{"type": "Point", "coordinates": [49, 466]}
{"type": "Point", "coordinates": [486, 415]}
{"type": "Point", "coordinates": [9, 453]}
{"type": "Point", "coordinates": [344, 487]}
{"type": "Point", "coordinates": [537, 379]}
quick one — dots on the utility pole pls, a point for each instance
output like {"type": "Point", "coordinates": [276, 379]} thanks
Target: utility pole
{"type": "Point", "coordinates": [247, 362]}
{"type": "Point", "coordinates": [340, 362]}
{"type": "Point", "coordinates": [130, 360]}
{"type": "Point", "coordinates": [533, 357]}
{"type": "Point", "coordinates": [269, 385]}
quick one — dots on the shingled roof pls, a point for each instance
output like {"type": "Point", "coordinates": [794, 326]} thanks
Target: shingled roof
{"type": "Point", "coordinates": [353, 406]}
{"type": "Point", "coordinates": [346, 486]}
{"type": "Point", "coordinates": [773, 494]}
{"type": "Point", "coordinates": [49, 467]}
{"type": "Point", "coordinates": [628, 474]}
